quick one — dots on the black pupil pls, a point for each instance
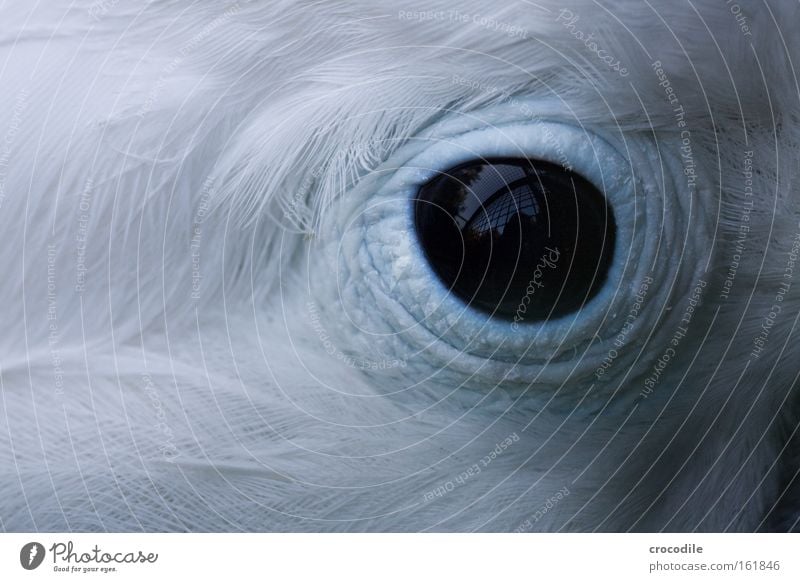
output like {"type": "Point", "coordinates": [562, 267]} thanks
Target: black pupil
{"type": "Point", "coordinates": [520, 239]}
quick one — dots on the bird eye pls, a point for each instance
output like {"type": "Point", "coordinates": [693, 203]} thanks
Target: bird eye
{"type": "Point", "coordinates": [500, 230]}
{"type": "Point", "coordinates": [498, 247]}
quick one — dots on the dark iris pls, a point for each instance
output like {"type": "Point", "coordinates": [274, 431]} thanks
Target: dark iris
{"type": "Point", "coordinates": [520, 239]}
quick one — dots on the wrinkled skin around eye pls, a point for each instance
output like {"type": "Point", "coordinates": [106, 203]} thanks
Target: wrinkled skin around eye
{"type": "Point", "coordinates": [391, 295]}
{"type": "Point", "coordinates": [217, 314]}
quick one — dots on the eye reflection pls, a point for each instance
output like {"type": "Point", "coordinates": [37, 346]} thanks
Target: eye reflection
{"type": "Point", "coordinates": [516, 238]}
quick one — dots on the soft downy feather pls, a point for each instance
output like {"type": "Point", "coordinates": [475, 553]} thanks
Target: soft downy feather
{"type": "Point", "coordinates": [133, 401]}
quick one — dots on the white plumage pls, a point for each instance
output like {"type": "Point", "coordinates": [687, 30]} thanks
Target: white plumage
{"type": "Point", "coordinates": [166, 174]}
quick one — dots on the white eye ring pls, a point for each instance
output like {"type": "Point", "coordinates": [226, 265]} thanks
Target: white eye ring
{"type": "Point", "coordinates": [391, 294]}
